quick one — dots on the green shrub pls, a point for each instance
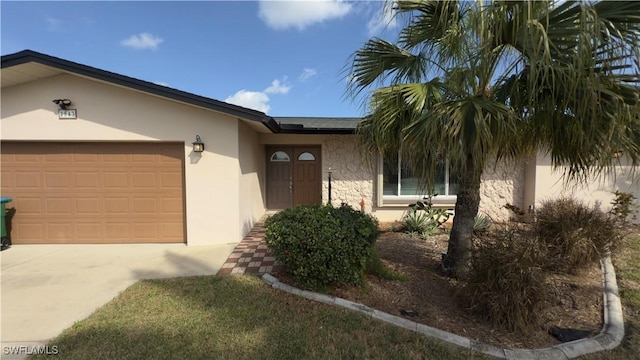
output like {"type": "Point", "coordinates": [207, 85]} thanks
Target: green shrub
{"type": "Point", "coordinates": [575, 235]}
{"type": "Point", "coordinates": [507, 285]}
{"type": "Point", "coordinates": [322, 246]}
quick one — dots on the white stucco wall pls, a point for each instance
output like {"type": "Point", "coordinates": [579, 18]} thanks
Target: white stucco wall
{"type": "Point", "coordinates": [111, 113]}
{"type": "Point", "coordinates": [501, 184]}
{"type": "Point", "coordinates": [549, 184]}
{"type": "Point", "coordinates": [252, 178]}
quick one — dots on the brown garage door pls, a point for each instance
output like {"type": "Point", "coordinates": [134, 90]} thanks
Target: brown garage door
{"type": "Point", "coordinates": [94, 192]}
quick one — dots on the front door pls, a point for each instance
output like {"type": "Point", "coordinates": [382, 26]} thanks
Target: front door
{"type": "Point", "coordinates": [293, 176]}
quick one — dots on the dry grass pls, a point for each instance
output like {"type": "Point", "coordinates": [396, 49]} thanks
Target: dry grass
{"type": "Point", "coordinates": [508, 284]}
{"type": "Point", "coordinates": [575, 234]}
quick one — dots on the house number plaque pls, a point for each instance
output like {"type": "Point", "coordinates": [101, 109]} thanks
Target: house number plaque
{"type": "Point", "coordinates": [67, 114]}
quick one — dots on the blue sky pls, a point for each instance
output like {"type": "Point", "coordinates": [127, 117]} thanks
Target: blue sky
{"type": "Point", "coordinates": [281, 57]}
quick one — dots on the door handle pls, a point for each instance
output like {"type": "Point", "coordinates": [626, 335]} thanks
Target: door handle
{"type": "Point", "coordinates": [290, 187]}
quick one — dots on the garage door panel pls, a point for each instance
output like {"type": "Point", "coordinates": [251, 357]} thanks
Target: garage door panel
{"type": "Point", "coordinates": [115, 179]}
{"type": "Point", "coordinates": [25, 179]}
{"type": "Point", "coordinates": [171, 230]}
{"type": "Point", "coordinates": [94, 193]}
{"type": "Point", "coordinates": [86, 159]}
{"type": "Point", "coordinates": [89, 232]}
{"type": "Point", "coordinates": [170, 180]}
{"type": "Point", "coordinates": [117, 159]}
{"type": "Point", "coordinates": [28, 158]}
{"type": "Point", "coordinates": [57, 180]}
{"type": "Point", "coordinates": [117, 230]}
{"type": "Point", "coordinates": [86, 180]}
{"type": "Point", "coordinates": [167, 159]}
{"type": "Point", "coordinates": [171, 206]}
{"type": "Point", "coordinates": [28, 206]}
{"type": "Point", "coordinates": [143, 159]}
{"type": "Point", "coordinates": [144, 179]}
{"type": "Point", "coordinates": [30, 232]}
{"type": "Point", "coordinates": [87, 206]}
{"type": "Point", "coordinates": [145, 206]}
{"type": "Point", "coordinates": [60, 206]}
{"type": "Point", "coordinates": [116, 205]}
{"type": "Point", "coordinates": [147, 231]}
{"type": "Point", "coordinates": [60, 231]}
{"type": "Point", "coordinates": [53, 159]}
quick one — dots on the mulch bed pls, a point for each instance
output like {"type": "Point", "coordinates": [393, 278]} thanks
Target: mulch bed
{"type": "Point", "coordinates": [429, 297]}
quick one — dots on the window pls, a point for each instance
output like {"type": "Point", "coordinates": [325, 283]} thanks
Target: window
{"type": "Point", "coordinates": [306, 156]}
{"type": "Point", "coordinates": [399, 181]}
{"type": "Point", "coordinates": [280, 156]}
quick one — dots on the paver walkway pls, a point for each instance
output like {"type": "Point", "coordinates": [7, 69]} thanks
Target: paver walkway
{"type": "Point", "coordinates": [252, 255]}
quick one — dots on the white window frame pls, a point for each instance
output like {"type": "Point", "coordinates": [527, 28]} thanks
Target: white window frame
{"type": "Point", "coordinates": [384, 200]}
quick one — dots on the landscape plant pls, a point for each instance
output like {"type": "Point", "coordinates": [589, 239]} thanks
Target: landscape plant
{"type": "Point", "coordinates": [507, 285]}
{"type": "Point", "coordinates": [423, 218]}
{"type": "Point", "coordinates": [323, 246]}
{"type": "Point", "coordinates": [481, 82]}
{"type": "Point", "coordinates": [623, 206]}
{"type": "Point", "coordinates": [575, 235]}
{"type": "Point", "coordinates": [482, 224]}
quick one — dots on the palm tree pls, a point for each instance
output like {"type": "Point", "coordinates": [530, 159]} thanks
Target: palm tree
{"type": "Point", "coordinates": [481, 82]}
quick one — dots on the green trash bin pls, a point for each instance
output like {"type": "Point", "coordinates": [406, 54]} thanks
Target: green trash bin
{"type": "Point", "coordinates": [3, 215]}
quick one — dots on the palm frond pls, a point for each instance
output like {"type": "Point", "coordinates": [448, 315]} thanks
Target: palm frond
{"type": "Point", "coordinates": [378, 60]}
{"type": "Point", "coordinates": [498, 79]}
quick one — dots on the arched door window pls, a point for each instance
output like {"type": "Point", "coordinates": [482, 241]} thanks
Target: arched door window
{"type": "Point", "coordinates": [280, 156]}
{"type": "Point", "coordinates": [306, 156]}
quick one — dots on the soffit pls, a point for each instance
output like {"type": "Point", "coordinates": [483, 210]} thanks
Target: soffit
{"type": "Point", "coordinates": [26, 72]}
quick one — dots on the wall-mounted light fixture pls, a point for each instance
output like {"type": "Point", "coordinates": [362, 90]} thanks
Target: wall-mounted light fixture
{"type": "Point", "coordinates": [62, 103]}
{"type": "Point", "coordinates": [198, 145]}
{"type": "Point", "coordinates": [64, 112]}
{"type": "Point", "coordinates": [617, 154]}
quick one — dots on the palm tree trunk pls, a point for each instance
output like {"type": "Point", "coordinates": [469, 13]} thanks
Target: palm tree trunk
{"type": "Point", "coordinates": [457, 261]}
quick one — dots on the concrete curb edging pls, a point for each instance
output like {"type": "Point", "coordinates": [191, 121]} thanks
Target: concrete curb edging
{"type": "Point", "coordinates": [609, 337]}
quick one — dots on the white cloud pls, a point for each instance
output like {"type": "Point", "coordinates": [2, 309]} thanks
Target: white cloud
{"type": "Point", "coordinates": [142, 41]}
{"type": "Point", "coordinates": [259, 100]}
{"type": "Point", "coordinates": [250, 99]}
{"type": "Point", "coordinates": [306, 74]}
{"type": "Point", "coordinates": [282, 15]}
{"type": "Point", "coordinates": [277, 87]}
{"type": "Point", "coordinates": [383, 19]}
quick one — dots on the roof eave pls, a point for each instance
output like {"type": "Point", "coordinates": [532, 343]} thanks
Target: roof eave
{"type": "Point", "coordinates": [272, 125]}
{"type": "Point", "coordinates": [27, 56]}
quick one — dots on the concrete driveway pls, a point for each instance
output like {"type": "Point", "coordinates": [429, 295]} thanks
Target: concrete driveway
{"type": "Point", "coordinates": [46, 288]}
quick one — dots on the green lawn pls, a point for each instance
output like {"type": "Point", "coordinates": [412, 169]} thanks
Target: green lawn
{"type": "Point", "coordinates": [239, 317]}
{"type": "Point", "coordinates": [236, 317]}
